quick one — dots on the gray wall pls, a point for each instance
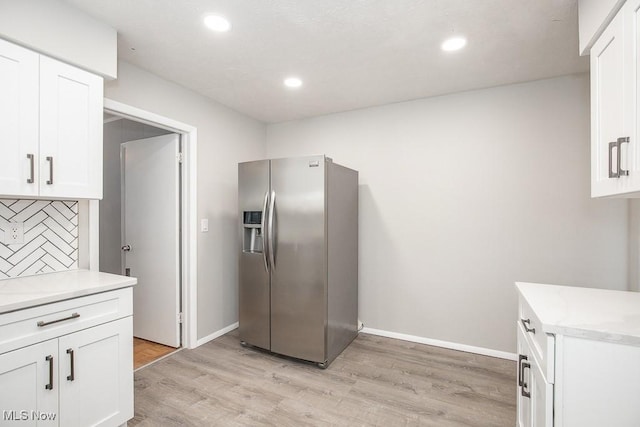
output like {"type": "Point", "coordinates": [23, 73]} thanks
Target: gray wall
{"type": "Point", "coordinates": [116, 133]}
{"type": "Point", "coordinates": [225, 138]}
{"type": "Point", "coordinates": [461, 196]}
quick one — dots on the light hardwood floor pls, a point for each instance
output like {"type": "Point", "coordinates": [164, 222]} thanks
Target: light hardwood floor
{"type": "Point", "coordinates": [145, 352]}
{"type": "Point", "coordinates": [376, 381]}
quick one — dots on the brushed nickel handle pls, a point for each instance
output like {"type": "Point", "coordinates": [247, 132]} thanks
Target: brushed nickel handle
{"type": "Point", "coordinates": [49, 359]}
{"type": "Point", "coordinates": [525, 324]}
{"type": "Point", "coordinates": [71, 377]}
{"type": "Point", "coordinates": [272, 206]}
{"type": "Point", "coordinates": [523, 391]}
{"type": "Point", "coordinates": [50, 160]}
{"type": "Point", "coordinates": [73, 316]}
{"type": "Point", "coordinates": [31, 166]}
{"type": "Point", "coordinates": [126, 248]}
{"type": "Point", "coordinates": [612, 174]}
{"type": "Point", "coordinates": [623, 140]}
{"type": "Point", "coordinates": [521, 357]}
{"type": "Point", "coordinates": [264, 233]}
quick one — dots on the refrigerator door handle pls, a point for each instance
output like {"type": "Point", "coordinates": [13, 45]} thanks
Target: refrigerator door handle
{"type": "Point", "coordinates": [264, 231]}
{"type": "Point", "coordinates": [272, 208]}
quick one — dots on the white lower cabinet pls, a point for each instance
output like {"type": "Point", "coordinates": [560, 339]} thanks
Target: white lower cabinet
{"type": "Point", "coordinates": [535, 394]}
{"type": "Point", "coordinates": [95, 372]}
{"type": "Point", "coordinates": [586, 374]}
{"type": "Point", "coordinates": [27, 380]}
{"type": "Point", "coordinates": [82, 378]}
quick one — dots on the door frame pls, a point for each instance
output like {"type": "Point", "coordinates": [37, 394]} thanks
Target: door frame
{"type": "Point", "coordinates": [189, 239]}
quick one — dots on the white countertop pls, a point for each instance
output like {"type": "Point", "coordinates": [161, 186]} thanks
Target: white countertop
{"type": "Point", "coordinates": [584, 312]}
{"type": "Point", "coordinates": [24, 292]}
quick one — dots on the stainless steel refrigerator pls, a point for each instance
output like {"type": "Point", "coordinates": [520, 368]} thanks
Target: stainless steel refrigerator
{"type": "Point", "coordinates": [298, 268]}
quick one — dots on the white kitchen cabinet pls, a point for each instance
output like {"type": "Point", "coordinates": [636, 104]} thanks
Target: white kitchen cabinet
{"type": "Point", "coordinates": [615, 150]}
{"type": "Point", "coordinates": [590, 376]}
{"type": "Point", "coordinates": [52, 127]}
{"type": "Point", "coordinates": [18, 119]}
{"type": "Point", "coordinates": [29, 378]}
{"type": "Point", "coordinates": [535, 393]}
{"type": "Point", "coordinates": [96, 375]}
{"type": "Point", "coordinates": [72, 359]}
{"type": "Point", "coordinates": [524, 383]}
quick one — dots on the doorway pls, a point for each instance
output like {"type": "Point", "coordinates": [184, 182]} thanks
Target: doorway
{"type": "Point", "coordinates": [144, 133]}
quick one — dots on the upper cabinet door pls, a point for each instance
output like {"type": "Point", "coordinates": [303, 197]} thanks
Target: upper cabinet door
{"type": "Point", "coordinates": [18, 120]}
{"type": "Point", "coordinates": [631, 13]}
{"type": "Point", "coordinates": [70, 131]}
{"type": "Point", "coordinates": [615, 106]}
{"type": "Point", "coordinates": [607, 108]}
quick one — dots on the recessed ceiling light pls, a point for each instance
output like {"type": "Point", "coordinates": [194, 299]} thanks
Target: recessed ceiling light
{"type": "Point", "coordinates": [217, 23]}
{"type": "Point", "coordinates": [454, 43]}
{"type": "Point", "coordinates": [292, 82]}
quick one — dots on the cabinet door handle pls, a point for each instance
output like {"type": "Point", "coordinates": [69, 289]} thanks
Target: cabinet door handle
{"type": "Point", "coordinates": [521, 357]}
{"type": "Point", "coordinates": [71, 377]}
{"type": "Point", "coordinates": [523, 389]}
{"type": "Point", "coordinates": [31, 166]}
{"type": "Point", "coordinates": [49, 359]}
{"type": "Point", "coordinates": [50, 160]}
{"type": "Point", "coordinates": [623, 140]}
{"type": "Point", "coordinates": [618, 146]}
{"type": "Point", "coordinates": [526, 324]}
{"type": "Point", "coordinates": [613, 174]}
{"type": "Point", "coordinates": [73, 316]}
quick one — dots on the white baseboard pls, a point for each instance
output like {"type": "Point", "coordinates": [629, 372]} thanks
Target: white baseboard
{"type": "Point", "coordinates": [216, 334]}
{"type": "Point", "coordinates": [443, 344]}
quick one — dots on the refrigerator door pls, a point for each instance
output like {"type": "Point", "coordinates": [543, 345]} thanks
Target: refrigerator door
{"type": "Point", "coordinates": [254, 294]}
{"type": "Point", "coordinates": [298, 270]}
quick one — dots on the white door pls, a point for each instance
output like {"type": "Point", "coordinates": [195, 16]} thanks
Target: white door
{"type": "Point", "coordinates": [18, 120]}
{"type": "Point", "coordinates": [151, 233]}
{"type": "Point", "coordinates": [70, 131]}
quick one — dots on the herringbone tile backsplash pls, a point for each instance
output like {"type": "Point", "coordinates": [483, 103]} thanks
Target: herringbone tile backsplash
{"type": "Point", "coordinates": [50, 237]}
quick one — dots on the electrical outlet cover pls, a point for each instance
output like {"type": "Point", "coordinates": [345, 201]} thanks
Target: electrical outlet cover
{"type": "Point", "coordinates": [14, 233]}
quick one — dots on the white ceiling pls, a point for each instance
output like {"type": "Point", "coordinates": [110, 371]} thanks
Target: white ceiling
{"type": "Point", "coordinates": [349, 53]}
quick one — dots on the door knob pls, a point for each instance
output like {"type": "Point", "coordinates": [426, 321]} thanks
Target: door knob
{"type": "Point", "coordinates": [126, 248]}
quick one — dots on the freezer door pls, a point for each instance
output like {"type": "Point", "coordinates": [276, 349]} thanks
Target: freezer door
{"type": "Point", "coordinates": [299, 273]}
{"type": "Point", "coordinates": [254, 293]}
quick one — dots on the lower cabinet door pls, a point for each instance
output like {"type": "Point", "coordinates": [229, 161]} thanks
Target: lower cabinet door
{"type": "Point", "coordinates": [29, 386]}
{"type": "Point", "coordinates": [524, 381]}
{"type": "Point", "coordinates": [541, 399]}
{"type": "Point", "coordinates": [96, 375]}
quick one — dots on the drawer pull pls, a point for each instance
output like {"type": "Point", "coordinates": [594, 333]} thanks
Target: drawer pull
{"type": "Point", "coordinates": [49, 359]}
{"type": "Point", "coordinates": [71, 377]}
{"type": "Point", "coordinates": [524, 391]}
{"type": "Point", "coordinates": [73, 316]}
{"type": "Point", "coordinates": [526, 324]}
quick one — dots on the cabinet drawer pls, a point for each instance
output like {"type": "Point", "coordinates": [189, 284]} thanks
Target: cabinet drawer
{"type": "Point", "coordinates": [32, 325]}
{"type": "Point", "coordinates": [542, 344]}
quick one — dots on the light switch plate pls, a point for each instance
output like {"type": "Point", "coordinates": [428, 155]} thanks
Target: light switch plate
{"type": "Point", "coordinates": [14, 233]}
{"type": "Point", "coordinates": [204, 225]}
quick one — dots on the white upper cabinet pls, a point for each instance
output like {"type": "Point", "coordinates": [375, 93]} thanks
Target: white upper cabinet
{"type": "Point", "coordinates": [51, 123]}
{"type": "Point", "coordinates": [615, 150]}
{"type": "Point", "coordinates": [18, 120]}
{"type": "Point", "coordinates": [70, 131]}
